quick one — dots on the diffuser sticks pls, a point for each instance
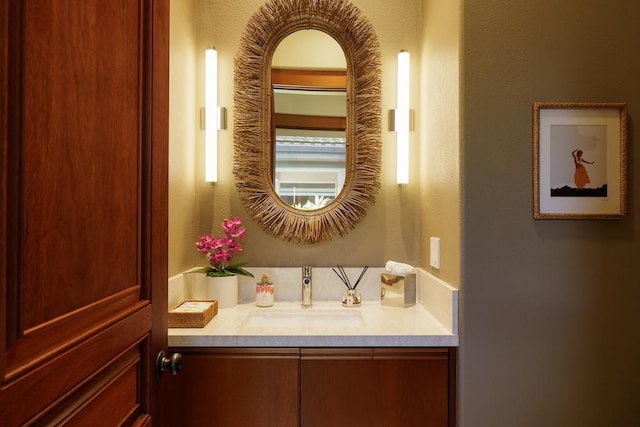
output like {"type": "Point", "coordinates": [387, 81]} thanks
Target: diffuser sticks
{"type": "Point", "coordinates": [342, 274]}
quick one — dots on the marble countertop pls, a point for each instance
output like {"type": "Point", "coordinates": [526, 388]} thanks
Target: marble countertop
{"type": "Point", "coordinates": [286, 324]}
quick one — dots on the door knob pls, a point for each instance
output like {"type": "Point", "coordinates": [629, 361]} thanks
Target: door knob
{"type": "Point", "coordinates": [172, 364]}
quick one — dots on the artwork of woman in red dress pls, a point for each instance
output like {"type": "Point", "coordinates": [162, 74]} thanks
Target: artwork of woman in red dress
{"type": "Point", "coordinates": [580, 177]}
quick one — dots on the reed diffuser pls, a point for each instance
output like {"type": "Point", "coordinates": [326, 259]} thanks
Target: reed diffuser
{"type": "Point", "coordinates": [351, 297]}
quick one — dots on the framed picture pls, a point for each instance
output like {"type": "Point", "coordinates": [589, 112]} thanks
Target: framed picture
{"type": "Point", "coordinates": [579, 160]}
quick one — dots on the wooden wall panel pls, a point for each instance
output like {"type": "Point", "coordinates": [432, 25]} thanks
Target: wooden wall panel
{"type": "Point", "coordinates": [78, 167]}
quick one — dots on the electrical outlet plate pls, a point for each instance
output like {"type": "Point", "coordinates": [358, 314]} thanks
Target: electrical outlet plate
{"type": "Point", "coordinates": [434, 253]}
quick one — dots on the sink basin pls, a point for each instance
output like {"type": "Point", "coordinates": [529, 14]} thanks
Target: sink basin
{"type": "Point", "coordinates": [304, 318]}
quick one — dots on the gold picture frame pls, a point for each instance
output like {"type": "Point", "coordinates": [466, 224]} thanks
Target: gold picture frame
{"type": "Point", "coordinates": [579, 160]}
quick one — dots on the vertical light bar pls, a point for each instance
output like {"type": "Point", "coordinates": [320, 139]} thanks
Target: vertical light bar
{"type": "Point", "coordinates": [211, 115]}
{"type": "Point", "coordinates": [402, 119]}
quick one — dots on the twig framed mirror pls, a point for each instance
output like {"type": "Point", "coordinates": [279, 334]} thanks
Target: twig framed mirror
{"type": "Point", "coordinates": [254, 138]}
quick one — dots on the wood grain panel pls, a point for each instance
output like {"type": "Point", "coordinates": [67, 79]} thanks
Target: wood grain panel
{"type": "Point", "coordinates": [111, 396]}
{"type": "Point", "coordinates": [116, 404]}
{"type": "Point", "coordinates": [299, 121]}
{"type": "Point", "coordinates": [68, 370]}
{"type": "Point", "coordinates": [316, 79]}
{"type": "Point", "coordinates": [43, 343]}
{"type": "Point", "coordinates": [68, 133]}
{"type": "Point", "coordinates": [155, 197]}
{"type": "Point", "coordinates": [83, 193]}
{"type": "Point", "coordinates": [236, 387]}
{"type": "Point", "coordinates": [374, 387]}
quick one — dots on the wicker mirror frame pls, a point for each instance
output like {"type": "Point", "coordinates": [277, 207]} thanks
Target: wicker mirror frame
{"type": "Point", "coordinates": [252, 118]}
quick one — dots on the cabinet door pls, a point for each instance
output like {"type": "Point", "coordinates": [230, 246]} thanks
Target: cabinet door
{"type": "Point", "coordinates": [235, 387]}
{"type": "Point", "coordinates": [374, 387]}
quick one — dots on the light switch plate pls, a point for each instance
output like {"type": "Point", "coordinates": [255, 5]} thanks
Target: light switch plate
{"type": "Point", "coordinates": [435, 252]}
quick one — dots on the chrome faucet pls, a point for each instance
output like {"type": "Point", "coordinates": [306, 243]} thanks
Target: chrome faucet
{"type": "Point", "coordinates": [306, 286]}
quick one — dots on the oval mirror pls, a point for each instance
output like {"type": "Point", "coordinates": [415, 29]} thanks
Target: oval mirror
{"type": "Point", "coordinates": [309, 115]}
{"type": "Point", "coordinates": [255, 160]}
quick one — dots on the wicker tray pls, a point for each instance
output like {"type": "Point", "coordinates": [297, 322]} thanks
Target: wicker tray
{"type": "Point", "coordinates": [192, 314]}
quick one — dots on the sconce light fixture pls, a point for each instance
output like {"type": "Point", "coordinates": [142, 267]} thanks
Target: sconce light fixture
{"type": "Point", "coordinates": [400, 119]}
{"type": "Point", "coordinates": [214, 116]}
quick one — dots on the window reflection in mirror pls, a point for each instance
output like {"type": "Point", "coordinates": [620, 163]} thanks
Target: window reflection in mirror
{"type": "Point", "coordinates": [308, 75]}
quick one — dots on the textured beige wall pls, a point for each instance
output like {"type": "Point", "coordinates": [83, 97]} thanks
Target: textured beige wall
{"type": "Point", "coordinates": [391, 228]}
{"type": "Point", "coordinates": [403, 218]}
{"type": "Point", "coordinates": [439, 126]}
{"type": "Point", "coordinates": [550, 307]}
{"type": "Point", "coordinates": [182, 137]}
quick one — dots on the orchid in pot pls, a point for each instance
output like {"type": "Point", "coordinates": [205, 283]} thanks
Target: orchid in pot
{"type": "Point", "coordinates": [220, 250]}
{"type": "Point", "coordinates": [222, 280]}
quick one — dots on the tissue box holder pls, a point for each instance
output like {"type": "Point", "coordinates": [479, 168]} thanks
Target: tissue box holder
{"type": "Point", "coordinates": [192, 314]}
{"type": "Point", "coordinates": [398, 291]}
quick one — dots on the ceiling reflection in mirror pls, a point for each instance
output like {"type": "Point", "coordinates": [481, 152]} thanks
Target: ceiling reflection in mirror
{"type": "Point", "coordinates": [309, 80]}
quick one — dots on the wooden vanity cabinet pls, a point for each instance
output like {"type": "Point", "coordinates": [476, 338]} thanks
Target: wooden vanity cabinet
{"type": "Point", "coordinates": [375, 387]}
{"type": "Point", "coordinates": [313, 387]}
{"type": "Point", "coordinates": [235, 387]}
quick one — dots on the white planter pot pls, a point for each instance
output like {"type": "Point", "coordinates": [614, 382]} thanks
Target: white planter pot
{"type": "Point", "coordinates": [223, 289]}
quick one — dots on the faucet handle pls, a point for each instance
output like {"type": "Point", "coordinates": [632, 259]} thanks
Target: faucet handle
{"type": "Point", "coordinates": [306, 271]}
{"type": "Point", "coordinates": [306, 286]}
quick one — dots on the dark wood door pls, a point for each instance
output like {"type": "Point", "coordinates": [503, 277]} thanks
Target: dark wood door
{"type": "Point", "coordinates": [83, 222]}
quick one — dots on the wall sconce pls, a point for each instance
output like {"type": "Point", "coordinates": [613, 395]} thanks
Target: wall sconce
{"type": "Point", "coordinates": [400, 119]}
{"type": "Point", "coordinates": [214, 116]}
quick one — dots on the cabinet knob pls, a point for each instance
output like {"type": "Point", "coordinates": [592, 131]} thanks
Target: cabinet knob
{"type": "Point", "coordinates": [173, 364]}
